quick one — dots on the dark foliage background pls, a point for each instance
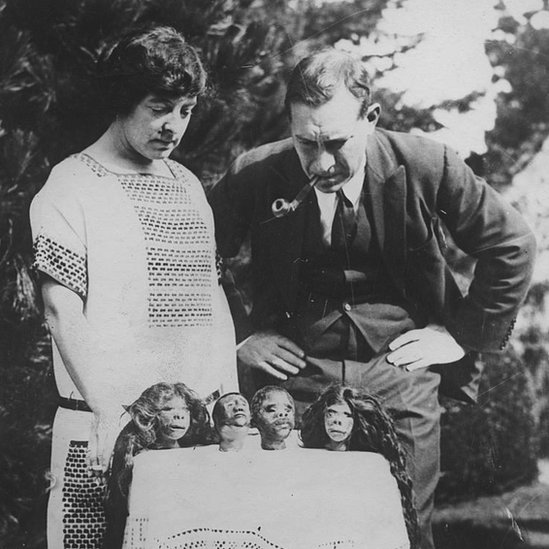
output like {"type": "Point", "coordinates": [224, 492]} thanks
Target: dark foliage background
{"type": "Point", "coordinates": [50, 106]}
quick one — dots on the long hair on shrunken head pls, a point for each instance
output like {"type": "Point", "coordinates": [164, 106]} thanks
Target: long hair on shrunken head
{"type": "Point", "coordinates": [145, 414]}
{"type": "Point", "coordinates": [143, 431]}
{"type": "Point", "coordinates": [373, 431]}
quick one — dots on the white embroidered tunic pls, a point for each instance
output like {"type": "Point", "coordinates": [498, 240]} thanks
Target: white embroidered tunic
{"type": "Point", "coordinates": [140, 251]}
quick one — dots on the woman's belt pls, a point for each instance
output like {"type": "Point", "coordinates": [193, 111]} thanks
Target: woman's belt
{"type": "Point", "coordinates": [73, 404]}
{"type": "Point", "coordinates": [81, 406]}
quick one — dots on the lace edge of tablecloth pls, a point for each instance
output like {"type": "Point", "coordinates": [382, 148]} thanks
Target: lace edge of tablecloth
{"type": "Point", "coordinates": [212, 538]}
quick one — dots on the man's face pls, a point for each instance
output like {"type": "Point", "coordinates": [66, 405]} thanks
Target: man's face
{"type": "Point", "coordinates": [276, 416]}
{"type": "Point", "coordinates": [236, 411]}
{"type": "Point", "coordinates": [330, 139]}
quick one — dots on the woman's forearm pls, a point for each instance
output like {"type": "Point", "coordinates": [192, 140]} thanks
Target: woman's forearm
{"type": "Point", "coordinates": [80, 348]}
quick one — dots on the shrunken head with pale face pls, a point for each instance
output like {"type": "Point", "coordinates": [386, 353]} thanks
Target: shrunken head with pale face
{"type": "Point", "coordinates": [231, 417]}
{"type": "Point", "coordinates": [273, 413]}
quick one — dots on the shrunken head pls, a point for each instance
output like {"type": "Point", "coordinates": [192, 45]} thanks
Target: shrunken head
{"type": "Point", "coordinates": [273, 413]}
{"type": "Point", "coordinates": [231, 417]}
{"type": "Point", "coordinates": [168, 415]}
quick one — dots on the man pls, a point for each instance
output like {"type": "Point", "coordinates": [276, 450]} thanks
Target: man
{"type": "Point", "coordinates": [353, 285]}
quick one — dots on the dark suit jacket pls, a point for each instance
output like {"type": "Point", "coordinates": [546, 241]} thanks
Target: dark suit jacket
{"type": "Point", "coordinates": [415, 185]}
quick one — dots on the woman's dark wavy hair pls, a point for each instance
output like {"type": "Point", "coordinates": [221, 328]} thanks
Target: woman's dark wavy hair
{"type": "Point", "coordinates": [373, 431]}
{"type": "Point", "coordinates": [141, 434]}
{"type": "Point", "coordinates": [149, 60]}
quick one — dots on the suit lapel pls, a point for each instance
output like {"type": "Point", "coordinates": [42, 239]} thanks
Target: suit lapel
{"type": "Point", "coordinates": [284, 235]}
{"type": "Point", "coordinates": [385, 187]}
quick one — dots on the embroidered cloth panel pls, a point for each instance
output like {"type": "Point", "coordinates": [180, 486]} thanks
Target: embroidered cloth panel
{"type": "Point", "coordinates": [256, 499]}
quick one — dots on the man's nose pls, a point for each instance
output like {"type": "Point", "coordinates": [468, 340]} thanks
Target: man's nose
{"type": "Point", "coordinates": [282, 413]}
{"type": "Point", "coordinates": [323, 163]}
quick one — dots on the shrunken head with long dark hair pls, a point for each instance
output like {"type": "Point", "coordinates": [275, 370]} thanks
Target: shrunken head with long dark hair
{"type": "Point", "coordinates": [345, 418]}
{"type": "Point", "coordinates": [169, 414]}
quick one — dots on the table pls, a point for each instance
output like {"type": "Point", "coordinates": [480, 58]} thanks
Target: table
{"type": "Point", "coordinates": [297, 498]}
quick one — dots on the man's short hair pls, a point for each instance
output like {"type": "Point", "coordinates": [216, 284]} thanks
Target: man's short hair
{"type": "Point", "coordinates": [316, 78]}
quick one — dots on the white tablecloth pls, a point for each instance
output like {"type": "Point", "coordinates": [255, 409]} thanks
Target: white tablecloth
{"type": "Point", "coordinates": [256, 499]}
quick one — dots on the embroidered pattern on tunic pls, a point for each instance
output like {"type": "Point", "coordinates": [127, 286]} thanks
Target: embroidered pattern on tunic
{"type": "Point", "coordinates": [179, 245]}
{"type": "Point", "coordinates": [62, 264]}
{"type": "Point", "coordinates": [179, 250]}
{"type": "Point", "coordinates": [83, 514]}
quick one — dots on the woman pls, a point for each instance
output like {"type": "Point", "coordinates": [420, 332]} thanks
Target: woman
{"type": "Point", "coordinates": [124, 243]}
{"type": "Point", "coordinates": [343, 418]}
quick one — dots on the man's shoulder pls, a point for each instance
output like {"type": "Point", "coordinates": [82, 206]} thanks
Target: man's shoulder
{"type": "Point", "coordinates": [409, 144]}
{"type": "Point", "coordinates": [420, 155]}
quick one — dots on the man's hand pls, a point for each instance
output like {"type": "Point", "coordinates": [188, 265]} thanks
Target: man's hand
{"type": "Point", "coordinates": [273, 353]}
{"type": "Point", "coordinates": [105, 428]}
{"type": "Point", "coordinates": [422, 348]}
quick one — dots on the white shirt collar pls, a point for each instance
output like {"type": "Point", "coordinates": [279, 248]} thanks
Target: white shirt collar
{"type": "Point", "coordinates": [327, 202]}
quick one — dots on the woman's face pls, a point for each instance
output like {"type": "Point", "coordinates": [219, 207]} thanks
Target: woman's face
{"type": "Point", "coordinates": [175, 419]}
{"type": "Point", "coordinates": [338, 422]}
{"type": "Point", "coordinates": [155, 126]}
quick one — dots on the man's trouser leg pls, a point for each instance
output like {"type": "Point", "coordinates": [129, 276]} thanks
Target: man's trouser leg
{"type": "Point", "coordinates": [412, 399]}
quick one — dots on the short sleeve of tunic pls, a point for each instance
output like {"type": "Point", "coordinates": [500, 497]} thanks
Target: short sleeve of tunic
{"type": "Point", "coordinates": [58, 229]}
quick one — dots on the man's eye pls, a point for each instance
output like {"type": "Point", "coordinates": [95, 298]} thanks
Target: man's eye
{"type": "Point", "coordinates": [336, 145]}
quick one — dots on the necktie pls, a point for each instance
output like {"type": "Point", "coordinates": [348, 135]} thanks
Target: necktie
{"type": "Point", "coordinates": [344, 225]}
